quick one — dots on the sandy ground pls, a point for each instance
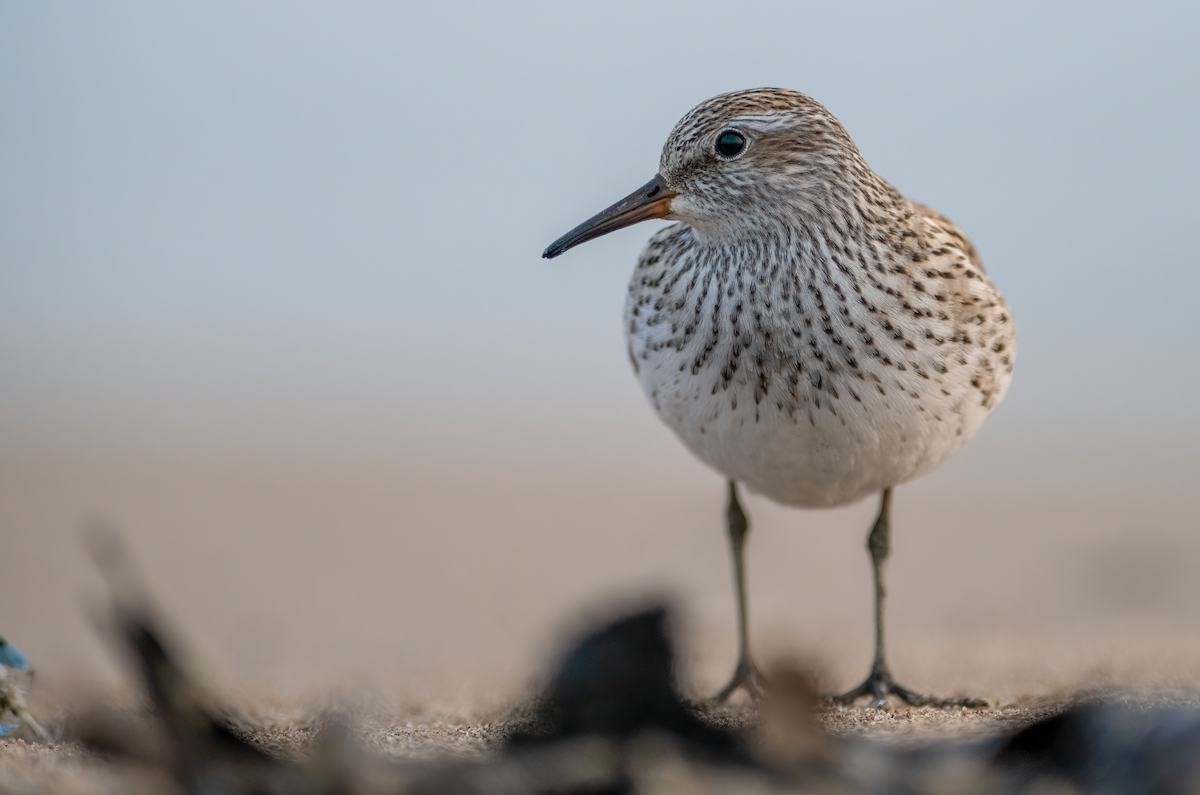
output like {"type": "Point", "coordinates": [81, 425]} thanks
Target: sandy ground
{"type": "Point", "coordinates": [425, 734]}
{"type": "Point", "coordinates": [425, 585]}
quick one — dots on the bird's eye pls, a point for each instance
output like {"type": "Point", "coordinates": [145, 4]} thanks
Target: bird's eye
{"type": "Point", "coordinates": [730, 143]}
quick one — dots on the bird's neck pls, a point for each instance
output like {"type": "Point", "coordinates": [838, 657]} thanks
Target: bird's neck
{"type": "Point", "coordinates": [855, 219]}
{"type": "Point", "coordinates": [842, 197]}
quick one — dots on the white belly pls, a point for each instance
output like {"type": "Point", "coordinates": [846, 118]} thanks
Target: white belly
{"type": "Point", "coordinates": [822, 452]}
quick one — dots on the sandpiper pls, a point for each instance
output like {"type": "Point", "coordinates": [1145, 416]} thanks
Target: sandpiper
{"type": "Point", "coordinates": [805, 329]}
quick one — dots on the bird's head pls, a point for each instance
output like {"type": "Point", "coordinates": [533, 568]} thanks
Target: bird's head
{"type": "Point", "coordinates": [737, 164]}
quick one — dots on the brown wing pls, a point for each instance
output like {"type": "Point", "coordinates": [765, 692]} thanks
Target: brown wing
{"type": "Point", "coordinates": [954, 231]}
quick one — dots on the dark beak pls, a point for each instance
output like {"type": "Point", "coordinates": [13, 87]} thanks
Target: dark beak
{"type": "Point", "coordinates": [652, 200]}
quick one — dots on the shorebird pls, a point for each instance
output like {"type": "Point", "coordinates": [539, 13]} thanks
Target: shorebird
{"type": "Point", "coordinates": [804, 329]}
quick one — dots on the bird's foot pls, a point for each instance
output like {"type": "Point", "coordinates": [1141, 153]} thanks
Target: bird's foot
{"type": "Point", "coordinates": [745, 677]}
{"type": "Point", "coordinates": [880, 684]}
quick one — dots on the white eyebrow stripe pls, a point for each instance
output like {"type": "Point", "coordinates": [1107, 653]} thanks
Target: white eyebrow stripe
{"type": "Point", "coordinates": [765, 122]}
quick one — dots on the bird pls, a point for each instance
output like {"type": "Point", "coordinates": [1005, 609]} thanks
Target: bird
{"type": "Point", "coordinates": [805, 330]}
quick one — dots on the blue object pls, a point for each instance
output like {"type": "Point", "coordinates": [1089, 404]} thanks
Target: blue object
{"type": "Point", "coordinates": [9, 656]}
{"type": "Point", "coordinates": [7, 727]}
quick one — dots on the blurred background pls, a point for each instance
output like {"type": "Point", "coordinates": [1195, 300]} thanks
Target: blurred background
{"type": "Point", "coordinates": [272, 303]}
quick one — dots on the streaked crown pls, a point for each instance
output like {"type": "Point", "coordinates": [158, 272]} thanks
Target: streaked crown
{"type": "Point", "coordinates": [795, 159]}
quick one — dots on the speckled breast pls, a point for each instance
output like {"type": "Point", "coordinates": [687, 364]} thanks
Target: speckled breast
{"type": "Point", "coordinates": [813, 380]}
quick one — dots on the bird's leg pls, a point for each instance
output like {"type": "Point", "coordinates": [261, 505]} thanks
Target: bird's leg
{"type": "Point", "coordinates": [746, 675]}
{"type": "Point", "coordinates": [880, 682]}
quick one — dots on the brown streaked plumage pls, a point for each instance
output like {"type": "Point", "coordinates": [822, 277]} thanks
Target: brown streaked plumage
{"type": "Point", "coordinates": [805, 330]}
